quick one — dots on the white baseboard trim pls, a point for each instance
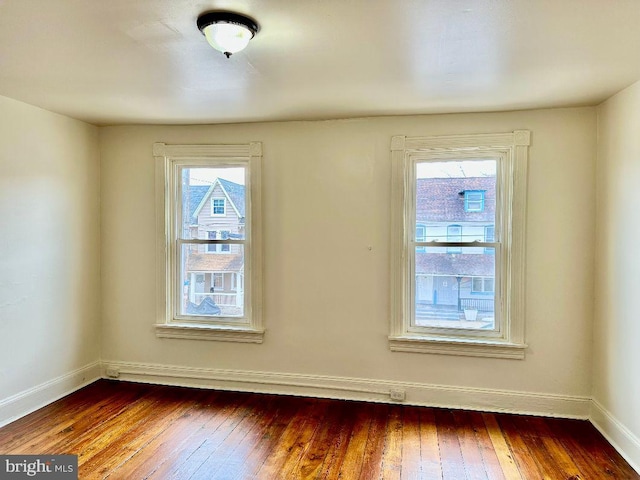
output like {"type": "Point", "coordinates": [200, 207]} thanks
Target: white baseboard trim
{"type": "Point", "coordinates": [622, 439]}
{"type": "Point", "coordinates": [30, 400]}
{"type": "Point", "coordinates": [346, 388]}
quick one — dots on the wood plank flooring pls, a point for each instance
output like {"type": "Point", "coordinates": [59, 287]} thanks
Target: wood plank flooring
{"type": "Point", "coordinates": [133, 431]}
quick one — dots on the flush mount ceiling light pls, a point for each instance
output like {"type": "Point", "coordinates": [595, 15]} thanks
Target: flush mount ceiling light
{"type": "Point", "coordinates": [227, 32]}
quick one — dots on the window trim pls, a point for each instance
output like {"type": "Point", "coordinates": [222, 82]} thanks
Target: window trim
{"type": "Point", "coordinates": [249, 329]}
{"type": "Point", "coordinates": [513, 149]}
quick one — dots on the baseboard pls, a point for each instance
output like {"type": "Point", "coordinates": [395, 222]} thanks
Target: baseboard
{"type": "Point", "coordinates": [27, 401]}
{"type": "Point", "coordinates": [346, 388]}
{"type": "Point", "coordinates": [622, 439]}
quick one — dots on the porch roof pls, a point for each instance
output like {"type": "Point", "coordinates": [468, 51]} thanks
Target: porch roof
{"type": "Point", "coordinates": [455, 264]}
{"type": "Point", "coordinates": [214, 262]}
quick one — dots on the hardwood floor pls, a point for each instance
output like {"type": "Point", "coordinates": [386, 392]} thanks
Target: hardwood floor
{"type": "Point", "coordinates": [132, 431]}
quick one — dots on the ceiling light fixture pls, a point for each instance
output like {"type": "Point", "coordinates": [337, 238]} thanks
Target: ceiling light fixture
{"type": "Point", "coordinates": [227, 32]}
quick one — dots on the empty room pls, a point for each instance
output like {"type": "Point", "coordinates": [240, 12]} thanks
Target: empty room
{"type": "Point", "coordinates": [319, 239]}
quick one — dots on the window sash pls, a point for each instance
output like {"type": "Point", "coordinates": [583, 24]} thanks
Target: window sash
{"type": "Point", "coordinates": [177, 241]}
{"type": "Point", "coordinates": [452, 247]}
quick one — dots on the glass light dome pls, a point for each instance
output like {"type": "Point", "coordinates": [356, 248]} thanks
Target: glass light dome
{"type": "Point", "coordinates": [227, 32]}
{"type": "Point", "coordinates": [227, 37]}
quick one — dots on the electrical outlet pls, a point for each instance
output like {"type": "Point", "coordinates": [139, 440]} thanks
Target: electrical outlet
{"type": "Point", "coordinates": [397, 395]}
{"type": "Point", "coordinates": [112, 372]}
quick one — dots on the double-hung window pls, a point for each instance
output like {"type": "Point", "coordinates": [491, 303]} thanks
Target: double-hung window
{"type": "Point", "coordinates": [208, 201]}
{"type": "Point", "coordinates": [461, 290]}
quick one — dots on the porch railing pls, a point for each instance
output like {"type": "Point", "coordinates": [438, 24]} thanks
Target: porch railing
{"type": "Point", "coordinates": [480, 304]}
{"type": "Point", "coordinates": [220, 298]}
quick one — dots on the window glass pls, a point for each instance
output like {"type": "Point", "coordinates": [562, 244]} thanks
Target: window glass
{"type": "Point", "coordinates": [448, 277]}
{"type": "Point", "coordinates": [207, 279]}
{"type": "Point", "coordinates": [203, 192]}
{"type": "Point", "coordinates": [445, 286]}
{"type": "Point", "coordinates": [211, 293]}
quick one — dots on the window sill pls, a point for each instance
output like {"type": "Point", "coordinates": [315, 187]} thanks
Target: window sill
{"type": "Point", "coordinates": [455, 346]}
{"type": "Point", "coordinates": [209, 332]}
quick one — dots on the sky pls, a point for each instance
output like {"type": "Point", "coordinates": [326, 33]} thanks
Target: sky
{"type": "Point", "coordinates": [456, 168]}
{"type": "Point", "coordinates": [206, 176]}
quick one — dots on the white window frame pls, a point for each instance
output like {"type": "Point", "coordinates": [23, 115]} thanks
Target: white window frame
{"type": "Point", "coordinates": [508, 340]}
{"type": "Point", "coordinates": [169, 159]}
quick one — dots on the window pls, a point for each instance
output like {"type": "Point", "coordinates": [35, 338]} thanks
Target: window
{"type": "Point", "coordinates": [218, 206]}
{"type": "Point", "coordinates": [482, 285]}
{"type": "Point", "coordinates": [219, 235]}
{"type": "Point", "coordinates": [454, 234]}
{"type": "Point", "coordinates": [218, 281]}
{"type": "Point", "coordinates": [212, 236]}
{"type": "Point", "coordinates": [196, 186]}
{"type": "Point", "coordinates": [472, 258]}
{"type": "Point", "coordinates": [421, 235]}
{"type": "Point", "coordinates": [225, 247]}
{"type": "Point", "coordinates": [473, 201]}
{"type": "Point", "coordinates": [489, 237]}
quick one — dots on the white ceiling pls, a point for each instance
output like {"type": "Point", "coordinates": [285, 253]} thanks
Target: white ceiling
{"type": "Point", "coordinates": [144, 61]}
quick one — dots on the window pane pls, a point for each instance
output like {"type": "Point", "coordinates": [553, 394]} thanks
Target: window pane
{"type": "Point", "coordinates": [455, 290]}
{"type": "Point", "coordinates": [456, 200]}
{"type": "Point", "coordinates": [213, 285]}
{"type": "Point", "coordinates": [213, 200]}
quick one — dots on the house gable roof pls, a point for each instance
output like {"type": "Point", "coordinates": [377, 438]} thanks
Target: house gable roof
{"type": "Point", "coordinates": [196, 194]}
{"type": "Point", "coordinates": [234, 192]}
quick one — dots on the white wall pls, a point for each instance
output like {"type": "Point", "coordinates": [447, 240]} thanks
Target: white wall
{"type": "Point", "coordinates": [616, 359]}
{"type": "Point", "coordinates": [326, 188]}
{"type": "Point", "coordinates": [49, 255]}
